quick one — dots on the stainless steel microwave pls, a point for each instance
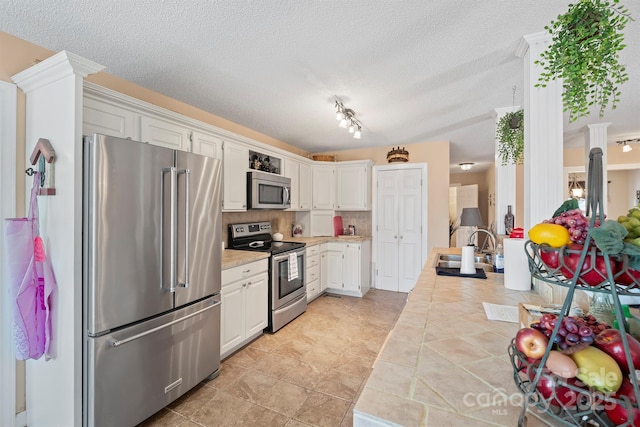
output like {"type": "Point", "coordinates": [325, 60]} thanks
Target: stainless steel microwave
{"type": "Point", "coordinates": [268, 191]}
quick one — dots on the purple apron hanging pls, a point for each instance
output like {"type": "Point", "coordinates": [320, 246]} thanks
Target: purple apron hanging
{"type": "Point", "coordinates": [31, 282]}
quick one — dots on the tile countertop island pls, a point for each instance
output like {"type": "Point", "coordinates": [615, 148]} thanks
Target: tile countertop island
{"type": "Point", "coordinates": [444, 363]}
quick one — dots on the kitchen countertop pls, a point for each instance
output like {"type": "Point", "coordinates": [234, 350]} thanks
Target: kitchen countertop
{"type": "Point", "coordinates": [233, 258]}
{"type": "Point", "coordinates": [444, 363]}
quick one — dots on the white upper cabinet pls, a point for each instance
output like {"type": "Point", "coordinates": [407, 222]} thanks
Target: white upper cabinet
{"type": "Point", "coordinates": [234, 167]}
{"type": "Point", "coordinates": [164, 133]}
{"type": "Point", "coordinates": [300, 174]}
{"type": "Point", "coordinates": [206, 145]}
{"type": "Point", "coordinates": [323, 183]}
{"type": "Point", "coordinates": [304, 185]}
{"type": "Point", "coordinates": [108, 119]}
{"type": "Point", "coordinates": [353, 186]}
{"type": "Point", "coordinates": [292, 170]}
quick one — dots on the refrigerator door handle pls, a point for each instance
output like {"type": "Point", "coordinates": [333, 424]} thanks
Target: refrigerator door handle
{"type": "Point", "coordinates": [187, 174]}
{"type": "Point", "coordinates": [172, 231]}
{"type": "Point", "coordinates": [118, 343]}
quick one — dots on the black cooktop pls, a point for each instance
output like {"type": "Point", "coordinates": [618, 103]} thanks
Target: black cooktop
{"type": "Point", "coordinates": [273, 247]}
{"type": "Point", "coordinates": [257, 237]}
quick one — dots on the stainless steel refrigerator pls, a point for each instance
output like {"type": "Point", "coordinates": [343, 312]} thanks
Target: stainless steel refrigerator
{"type": "Point", "coordinates": [151, 277]}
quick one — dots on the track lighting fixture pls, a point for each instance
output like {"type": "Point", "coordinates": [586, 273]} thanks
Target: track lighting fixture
{"type": "Point", "coordinates": [625, 144]}
{"type": "Point", "coordinates": [347, 119]}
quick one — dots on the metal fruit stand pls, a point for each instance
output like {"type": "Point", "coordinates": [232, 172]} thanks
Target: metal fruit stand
{"type": "Point", "coordinates": [586, 406]}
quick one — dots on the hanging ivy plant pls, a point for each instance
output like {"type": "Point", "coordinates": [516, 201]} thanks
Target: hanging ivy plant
{"type": "Point", "coordinates": [584, 49]}
{"type": "Point", "coordinates": [510, 136]}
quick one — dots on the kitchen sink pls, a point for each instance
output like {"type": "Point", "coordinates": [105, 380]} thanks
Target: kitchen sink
{"type": "Point", "coordinates": [482, 261]}
{"type": "Point", "coordinates": [478, 258]}
{"type": "Point", "coordinates": [456, 264]}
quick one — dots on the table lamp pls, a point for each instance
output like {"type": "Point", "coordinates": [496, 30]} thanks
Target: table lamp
{"type": "Point", "coordinates": [470, 217]}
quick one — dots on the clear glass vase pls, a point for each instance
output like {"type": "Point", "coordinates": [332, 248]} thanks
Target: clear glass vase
{"type": "Point", "coordinates": [601, 308]}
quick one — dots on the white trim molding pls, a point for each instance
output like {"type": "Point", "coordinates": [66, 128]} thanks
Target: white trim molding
{"type": "Point", "coordinates": [8, 105]}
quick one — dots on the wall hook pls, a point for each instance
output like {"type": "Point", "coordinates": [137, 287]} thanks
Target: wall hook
{"type": "Point", "coordinates": [44, 154]}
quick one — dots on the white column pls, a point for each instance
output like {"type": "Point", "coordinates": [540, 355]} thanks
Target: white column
{"type": "Point", "coordinates": [8, 105]}
{"type": "Point", "coordinates": [505, 181]}
{"type": "Point", "coordinates": [543, 142]}
{"type": "Point", "coordinates": [53, 90]}
{"type": "Point", "coordinates": [596, 136]}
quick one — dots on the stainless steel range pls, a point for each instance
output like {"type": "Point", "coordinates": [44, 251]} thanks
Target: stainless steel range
{"type": "Point", "coordinates": [287, 283]}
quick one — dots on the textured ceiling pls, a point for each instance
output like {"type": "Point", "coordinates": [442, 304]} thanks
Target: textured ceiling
{"type": "Point", "coordinates": [413, 71]}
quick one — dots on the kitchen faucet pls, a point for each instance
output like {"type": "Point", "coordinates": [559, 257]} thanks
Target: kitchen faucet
{"type": "Point", "coordinates": [490, 234]}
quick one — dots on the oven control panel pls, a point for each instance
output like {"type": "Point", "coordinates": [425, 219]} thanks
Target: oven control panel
{"type": "Point", "coordinates": [250, 229]}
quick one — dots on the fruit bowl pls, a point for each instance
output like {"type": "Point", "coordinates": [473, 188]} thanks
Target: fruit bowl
{"type": "Point", "coordinates": [560, 265]}
{"type": "Point", "coordinates": [567, 401]}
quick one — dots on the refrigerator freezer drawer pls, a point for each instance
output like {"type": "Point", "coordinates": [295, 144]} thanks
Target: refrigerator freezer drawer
{"type": "Point", "coordinates": [133, 373]}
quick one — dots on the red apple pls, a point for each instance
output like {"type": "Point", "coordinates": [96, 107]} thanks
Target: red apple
{"type": "Point", "coordinates": [591, 273]}
{"type": "Point", "coordinates": [627, 277]}
{"type": "Point", "coordinates": [554, 393]}
{"type": "Point", "coordinates": [610, 341]}
{"type": "Point", "coordinates": [618, 414]}
{"type": "Point", "coordinates": [531, 342]}
{"type": "Point", "coordinates": [549, 257]}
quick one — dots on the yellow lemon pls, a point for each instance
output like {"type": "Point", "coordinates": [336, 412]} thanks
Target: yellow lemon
{"type": "Point", "coordinates": [554, 235]}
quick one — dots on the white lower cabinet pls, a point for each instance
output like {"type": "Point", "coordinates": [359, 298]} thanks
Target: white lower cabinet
{"type": "Point", "coordinates": [313, 272]}
{"type": "Point", "coordinates": [349, 266]}
{"type": "Point", "coordinates": [324, 266]}
{"type": "Point", "coordinates": [244, 298]}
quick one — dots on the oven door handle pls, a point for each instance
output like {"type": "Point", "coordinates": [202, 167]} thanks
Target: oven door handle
{"type": "Point", "coordinates": [286, 255]}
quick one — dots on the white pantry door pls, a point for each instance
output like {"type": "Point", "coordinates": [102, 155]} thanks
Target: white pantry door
{"type": "Point", "coordinates": [400, 227]}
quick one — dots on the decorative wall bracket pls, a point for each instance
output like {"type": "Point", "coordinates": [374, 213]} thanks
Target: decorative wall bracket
{"type": "Point", "coordinates": [44, 154]}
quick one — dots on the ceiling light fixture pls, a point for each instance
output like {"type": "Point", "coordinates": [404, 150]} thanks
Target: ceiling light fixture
{"type": "Point", "coordinates": [575, 189]}
{"type": "Point", "coordinates": [625, 146]}
{"type": "Point", "coordinates": [465, 166]}
{"type": "Point", "coordinates": [347, 119]}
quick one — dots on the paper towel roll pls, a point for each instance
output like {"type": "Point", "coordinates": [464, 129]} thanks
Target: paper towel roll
{"type": "Point", "coordinates": [467, 265]}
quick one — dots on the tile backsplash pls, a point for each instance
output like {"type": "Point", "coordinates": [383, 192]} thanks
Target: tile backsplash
{"type": "Point", "coordinates": [281, 221]}
{"type": "Point", "coordinates": [362, 221]}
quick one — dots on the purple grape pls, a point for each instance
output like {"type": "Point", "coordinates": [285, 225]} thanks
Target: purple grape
{"type": "Point", "coordinates": [587, 339]}
{"type": "Point", "coordinates": [558, 339]}
{"type": "Point", "coordinates": [548, 333]}
{"type": "Point", "coordinates": [572, 338]}
{"type": "Point", "coordinates": [552, 323]}
{"type": "Point", "coordinates": [562, 332]}
{"type": "Point", "coordinates": [571, 327]}
{"type": "Point", "coordinates": [585, 331]}
{"type": "Point", "coordinates": [563, 345]}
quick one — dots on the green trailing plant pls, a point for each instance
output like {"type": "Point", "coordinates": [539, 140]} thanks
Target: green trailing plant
{"type": "Point", "coordinates": [510, 136]}
{"type": "Point", "coordinates": [584, 53]}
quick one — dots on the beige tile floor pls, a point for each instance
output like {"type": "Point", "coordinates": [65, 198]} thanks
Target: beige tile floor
{"type": "Point", "coordinates": [309, 373]}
